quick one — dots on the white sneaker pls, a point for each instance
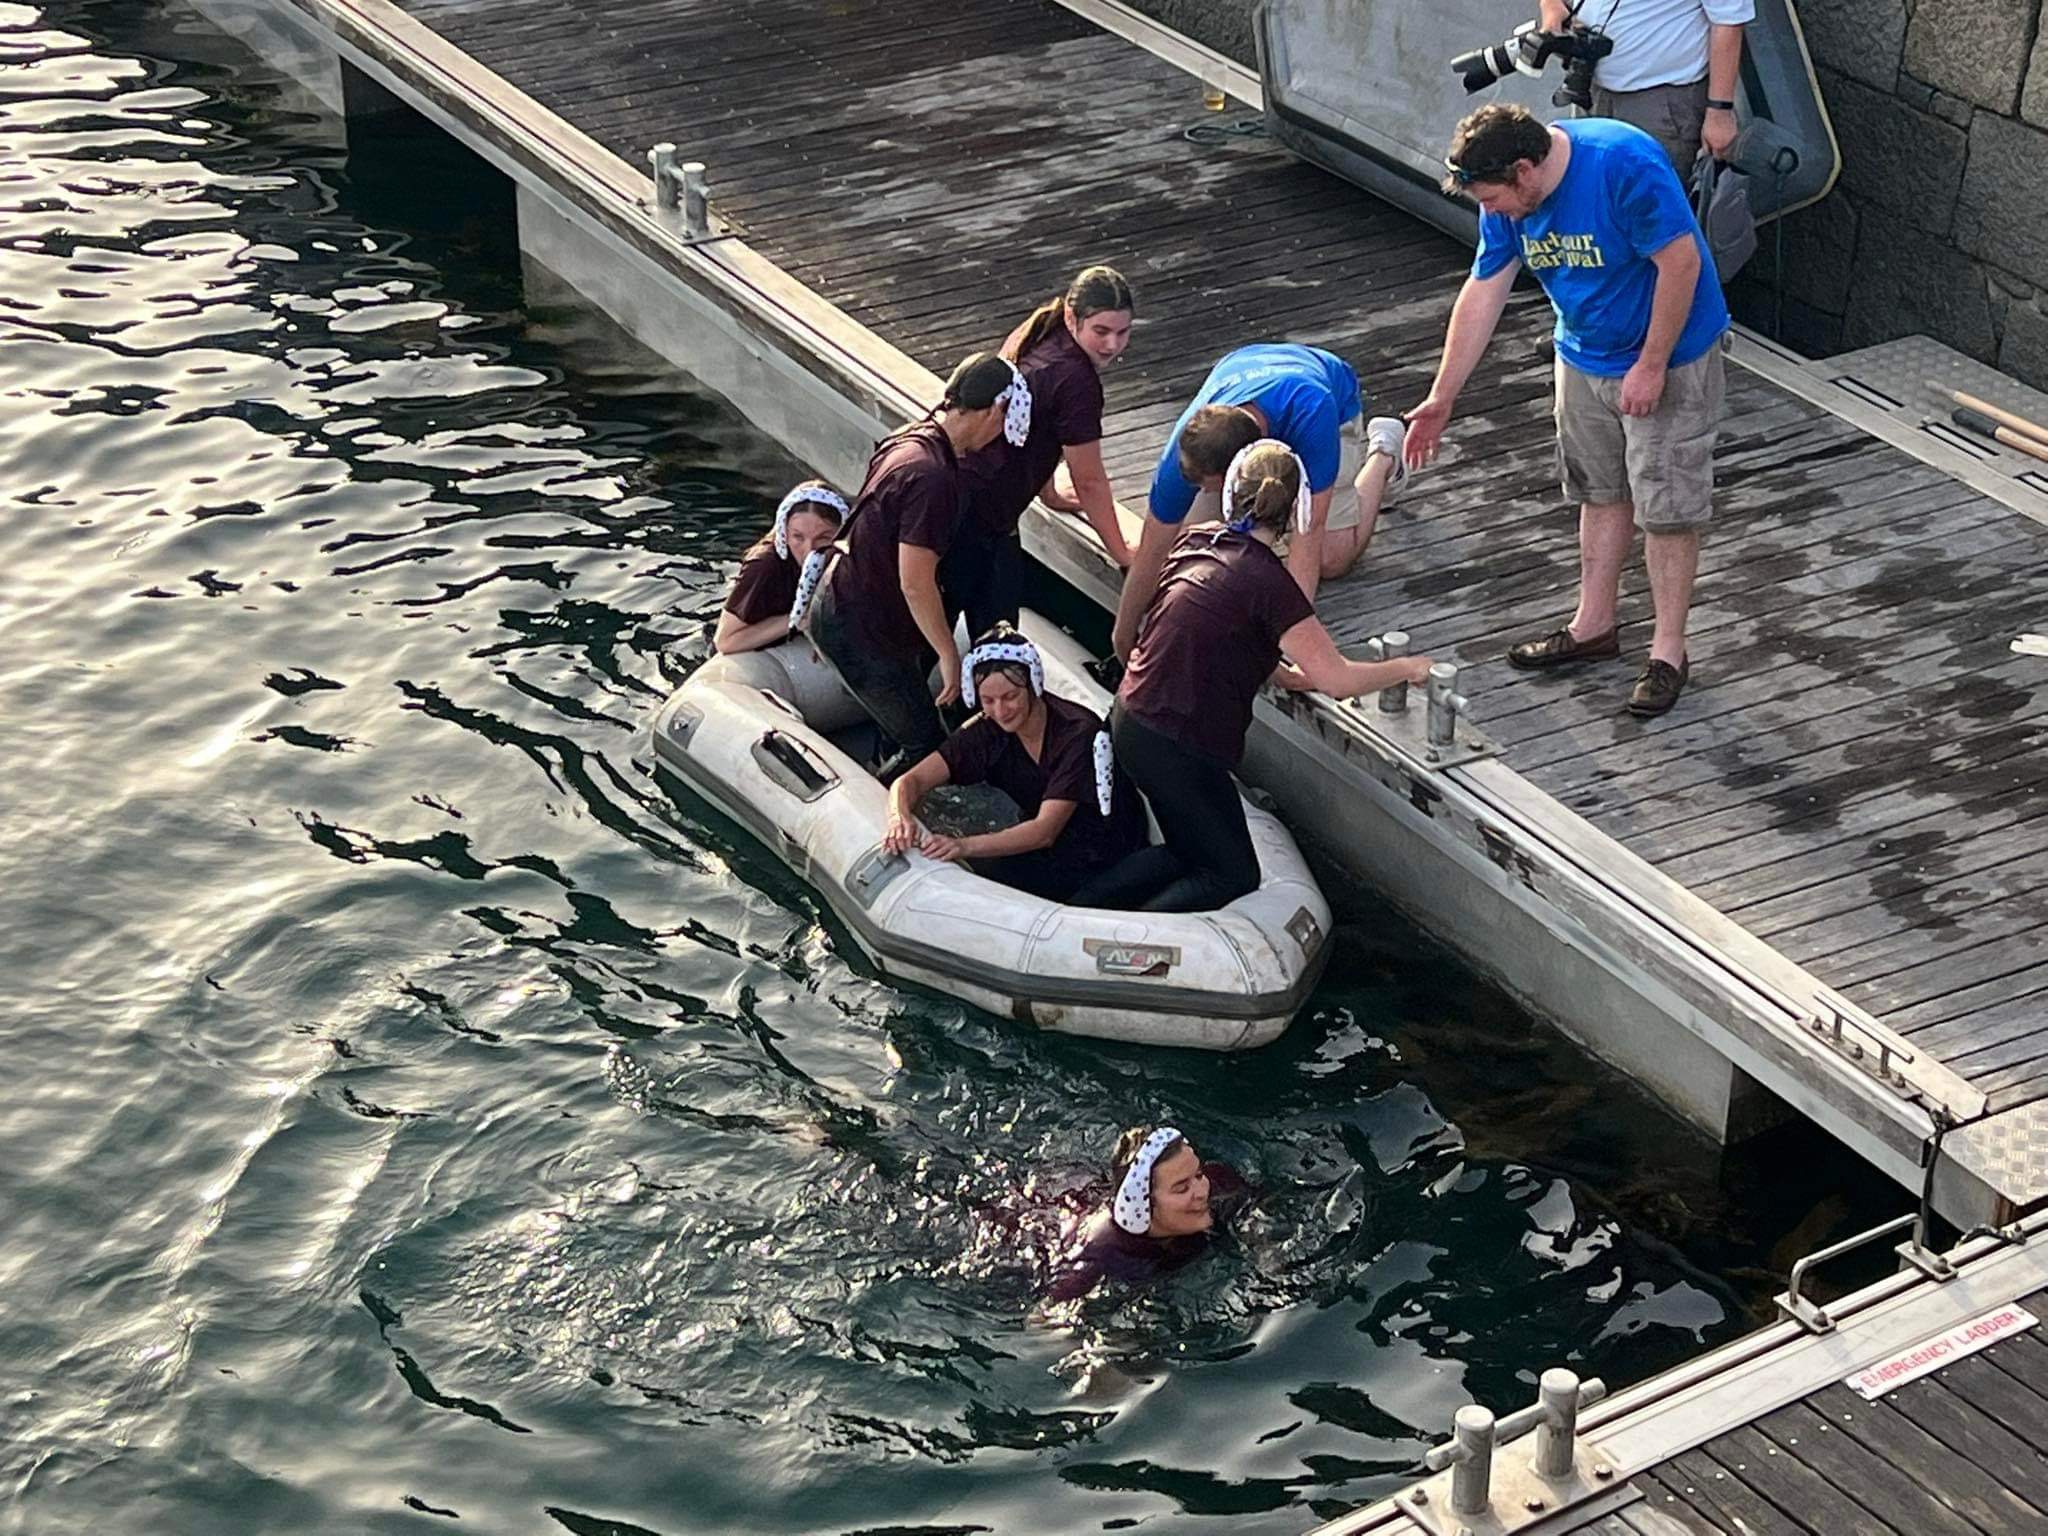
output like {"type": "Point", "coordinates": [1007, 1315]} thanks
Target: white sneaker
{"type": "Point", "coordinates": [1388, 435]}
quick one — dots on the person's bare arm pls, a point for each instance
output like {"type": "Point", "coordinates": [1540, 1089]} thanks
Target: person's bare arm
{"type": "Point", "coordinates": [1473, 319]}
{"type": "Point", "coordinates": [918, 569]}
{"type": "Point", "coordinates": [906, 795]}
{"type": "Point", "coordinates": [1553, 15]}
{"type": "Point", "coordinates": [734, 634]}
{"type": "Point", "coordinates": [1678, 271]}
{"type": "Point", "coordinates": [1041, 831]}
{"type": "Point", "coordinates": [1097, 500]}
{"type": "Point", "coordinates": [1326, 669]}
{"type": "Point", "coordinates": [1305, 550]}
{"type": "Point", "coordinates": [1141, 582]}
{"type": "Point", "coordinates": [1724, 65]}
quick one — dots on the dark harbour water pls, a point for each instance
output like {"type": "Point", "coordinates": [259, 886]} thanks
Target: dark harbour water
{"type": "Point", "coordinates": [417, 1119]}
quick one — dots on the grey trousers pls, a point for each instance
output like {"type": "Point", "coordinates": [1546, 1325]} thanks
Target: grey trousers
{"type": "Point", "coordinates": [1671, 114]}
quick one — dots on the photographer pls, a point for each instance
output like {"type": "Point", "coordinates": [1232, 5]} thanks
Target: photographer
{"type": "Point", "coordinates": [1594, 212]}
{"type": "Point", "coordinates": [1673, 69]}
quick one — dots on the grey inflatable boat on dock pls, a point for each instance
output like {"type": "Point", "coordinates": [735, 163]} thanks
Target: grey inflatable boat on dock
{"type": "Point", "coordinates": [1364, 88]}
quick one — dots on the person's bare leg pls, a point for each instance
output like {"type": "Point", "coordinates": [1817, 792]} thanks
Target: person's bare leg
{"type": "Point", "coordinates": [1343, 546]}
{"type": "Point", "coordinates": [1674, 560]}
{"type": "Point", "coordinates": [1606, 534]}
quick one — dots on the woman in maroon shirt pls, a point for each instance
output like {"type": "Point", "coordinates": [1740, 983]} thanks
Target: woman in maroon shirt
{"type": "Point", "coordinates": [1079, 815]}
{"type": "Point", "coordinates": [1225, 611]}
{"type": "Point", "coordinates": [757, 609]}
{"type": "Point", "coordinates": [1162, 1214]}
{"type": "Point", "coordinates": [877, 617]}
{"type": "Point", "coordinates": [1060, 349]}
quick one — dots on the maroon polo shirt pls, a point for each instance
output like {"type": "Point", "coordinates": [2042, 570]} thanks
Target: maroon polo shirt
{"type": "Point", "coordinates": [1210, 639]}
{"type": "Point", "coordinates": [765, 587]}
{"type": "Point", "coordinates": [982, 752]}
{"type": "Point", "coordinates": [911, 496]}
{"type": "Point", "coordinates": [999, 481]}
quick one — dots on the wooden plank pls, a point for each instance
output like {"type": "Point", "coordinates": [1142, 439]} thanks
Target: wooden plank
{"type": "Point", "coordinates": [1817, 1502]}
{"type": "Point", "coordinates": [1975, 1436]}
{"type": "Point", "coordinates": [1946, 894]}
{"type": "Point", "coordinates": [2020, 981]}
{"type": "Point", "coordinates": [1981, 1383]}
{"type": "Point", "coordinates": [1973, 1026]}
{"type": "Point", "coordinates": [1865, 791]}
{"type": "Point", "coordinates": [2024, 1357]}
{"type": "Point", "coordinates": [2017, 1095]}
{"type": "Point", "coordinates": [1667, 1517]}
{"type": "Point", "coordinates": [1822, 1442]}
{"type": "Point", "coordinates": [1702, 1495]}
{"type": "Point", "coordinates": [1826, 816]}
{"type": "Point", "coordinates": [1975, 1492]}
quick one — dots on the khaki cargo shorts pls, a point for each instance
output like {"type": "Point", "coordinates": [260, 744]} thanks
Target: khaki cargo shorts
{"type": "Point", "coordinates": [1208, 507]}
{"type": "Point", "coordinates": [1663, 462]}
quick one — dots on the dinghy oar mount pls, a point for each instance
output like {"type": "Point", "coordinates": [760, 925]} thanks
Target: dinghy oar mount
{"type": "Point", "coordinates": [1479, 1493]}
{"type": "Point", "coordinates": [681, 194]}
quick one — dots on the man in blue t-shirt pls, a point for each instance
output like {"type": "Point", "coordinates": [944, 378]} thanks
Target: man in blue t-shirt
{"type": "Point", "coordinates": [1593, 208]}
{"type": "Point", "coordinates": [1308, 399]}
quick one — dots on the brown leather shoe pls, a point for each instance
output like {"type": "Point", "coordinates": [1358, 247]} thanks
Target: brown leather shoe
{"type": "Point", "coordinates": [1659, 687]}
{"type": "Point", "coordinates": [1560, 649]}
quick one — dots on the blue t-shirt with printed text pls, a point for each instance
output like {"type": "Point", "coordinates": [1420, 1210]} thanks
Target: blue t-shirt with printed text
{"type": "Point", "coordinates": [1306, 396]}
{"type": "Point", "coordinates": [1589, 244]}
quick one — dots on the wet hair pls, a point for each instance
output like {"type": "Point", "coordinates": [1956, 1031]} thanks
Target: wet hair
{"type": "Point", "coordinates": [1214, 436]}
{"type": "Point", "coordinates": [1490, 142]}
{"type": "Point", "coordinates": [1002, 634]}
{"type": "Point", "coordinates": [1093, 290]}
{"type": "Point", "coordinates": [976, 383]}
{"type": "Point", "coordinates": [1130, 1144]}
{"type": "Point", "coordinates": [1266, 487]}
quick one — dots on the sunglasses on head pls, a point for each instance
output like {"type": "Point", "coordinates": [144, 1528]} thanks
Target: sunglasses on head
{"type": "Point", "coordinates": [1465, 176]}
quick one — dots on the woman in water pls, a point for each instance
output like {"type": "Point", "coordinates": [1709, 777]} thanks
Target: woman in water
{"type": "Point", "coordinates": [1162, 1213]}
{"type": "Point", "coordinates": [1060, 350]}
{"type": "Point", "coordinates": [1079, 816]}
{"type": "Point", "coordinates": [1214, 633]}
{"type": "Point", "coordinates": [757, 609]}
{"type": "Point", "coordinates": [877, 617]}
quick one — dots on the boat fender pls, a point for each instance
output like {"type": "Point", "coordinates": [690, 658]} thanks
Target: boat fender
{"type": "Point", "coordinates": [1105, 770]}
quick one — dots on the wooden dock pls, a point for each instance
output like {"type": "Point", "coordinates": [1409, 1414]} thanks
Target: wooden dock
{"type": "Point", "coordinates": [1922, 1410]}
{"type": "Point", "coordinates": [1821, 875]}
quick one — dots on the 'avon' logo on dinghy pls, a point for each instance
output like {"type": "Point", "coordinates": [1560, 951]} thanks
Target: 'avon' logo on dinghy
{"type": "Point", "coordinates": [1115, 959]}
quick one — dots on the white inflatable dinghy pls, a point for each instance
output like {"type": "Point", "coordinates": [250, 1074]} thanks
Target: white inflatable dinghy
{"type": "Point", "coordinates": [749, 734]}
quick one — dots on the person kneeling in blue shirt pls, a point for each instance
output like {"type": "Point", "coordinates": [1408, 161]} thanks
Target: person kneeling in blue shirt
{"type": "Point", "coordinates": [1594, 210]}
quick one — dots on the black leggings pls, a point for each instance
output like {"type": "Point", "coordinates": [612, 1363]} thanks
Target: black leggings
{"type": "Point", "coordinates": [1206, 859]}
{"type": "Point", "coordinates": [894, 690]}
{"type": "Point", "coordinates": [982, 576]}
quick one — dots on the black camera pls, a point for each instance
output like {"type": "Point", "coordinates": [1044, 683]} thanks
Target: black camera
{"type": "Point", "coordinates": [1529, 50]}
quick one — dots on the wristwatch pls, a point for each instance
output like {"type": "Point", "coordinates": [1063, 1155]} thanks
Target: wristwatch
{"type": "Point", "coordinates": [1719, 106]}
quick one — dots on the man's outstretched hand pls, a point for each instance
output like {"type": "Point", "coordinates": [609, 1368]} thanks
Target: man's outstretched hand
{"type": "Point", "coordinates": [1425, 431]}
